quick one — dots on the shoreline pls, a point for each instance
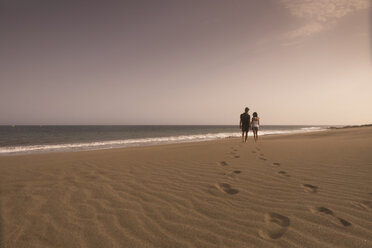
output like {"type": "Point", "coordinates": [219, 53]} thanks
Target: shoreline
{"type": "Point", "coordinates": [141, 142]}
{"type": "Point", "coordinates": [62, 150]}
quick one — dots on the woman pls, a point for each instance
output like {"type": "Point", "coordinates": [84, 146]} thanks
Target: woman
{"type": "Point", "coordinates": [255, 125]}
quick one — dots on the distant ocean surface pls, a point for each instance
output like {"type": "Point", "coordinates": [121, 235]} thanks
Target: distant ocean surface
{"type": "Point", "coordinates": [36, 139]}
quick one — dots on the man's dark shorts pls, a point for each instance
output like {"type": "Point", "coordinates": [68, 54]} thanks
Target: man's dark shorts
{"type": "Point", "coordinates": [245, 128]}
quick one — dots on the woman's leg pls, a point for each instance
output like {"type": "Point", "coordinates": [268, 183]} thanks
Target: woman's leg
{"type": "Point", "coordinates": [255, 134]}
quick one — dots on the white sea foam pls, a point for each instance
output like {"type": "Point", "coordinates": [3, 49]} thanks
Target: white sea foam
{"type": "Point", "coordinates": [137, 142]}
{"type": "Point", "coordinates": [311, 129]}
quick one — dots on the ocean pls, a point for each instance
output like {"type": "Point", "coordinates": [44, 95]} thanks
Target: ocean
{"type": "Point", "coordinates": [43, 139]}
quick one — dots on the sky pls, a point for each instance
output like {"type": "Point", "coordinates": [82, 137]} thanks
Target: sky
{"type": "Point", "coordinates": [185, 62]}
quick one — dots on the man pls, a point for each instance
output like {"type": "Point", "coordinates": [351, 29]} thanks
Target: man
{"type": "Point", "coordinates": [245, 120]}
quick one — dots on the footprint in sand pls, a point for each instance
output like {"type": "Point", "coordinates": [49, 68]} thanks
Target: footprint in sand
{"type": "Point", "coordinates": [233, 174]}
{"type": "Point", "coordinates": [329, 213]}
{"type": "Point", "coordinates": [264, 159]}
{"type": "Point", "coordinates": [283, 173]}
{"type": "Point", "coordinates": [90, 177]}
{"type": "Point", "coordinates": [18, 187]}
{"type": "Point", "coordinates": [276, 163]}
{"type": "Point", "coordinates": [254, 152]}
{"type": "Point", "coordinates": [226, 188]}
{"type": "Point", "coordinates": [310, 188]}
{"type": "Point", "coordinates": [236, 156]}
{"type": "Point", "coordinates": [366, 205]}
{"type": "Point", "coordinates": [223, 163]}
{"type": "Point", "coordinates": [276, 226]}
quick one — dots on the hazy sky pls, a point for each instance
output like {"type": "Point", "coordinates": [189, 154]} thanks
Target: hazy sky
{"type": "Point", "coordinates": [185, 62]}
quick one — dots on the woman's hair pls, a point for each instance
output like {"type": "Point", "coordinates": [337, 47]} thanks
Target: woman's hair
{"type": "Point", "coordinates": [255, 114]}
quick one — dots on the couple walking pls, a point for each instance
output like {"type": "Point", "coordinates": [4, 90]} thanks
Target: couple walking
{"type": "Point", "coordinates": [246, 123]}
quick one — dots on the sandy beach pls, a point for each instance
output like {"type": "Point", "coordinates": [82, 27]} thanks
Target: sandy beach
{"type": "Point", "coordinates": [303, 190]}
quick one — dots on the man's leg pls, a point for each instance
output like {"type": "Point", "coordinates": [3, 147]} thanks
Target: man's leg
{"type": "Point", "coordinates": [243, 136]}
{"type": "Point", "coordinates": [246, 136]}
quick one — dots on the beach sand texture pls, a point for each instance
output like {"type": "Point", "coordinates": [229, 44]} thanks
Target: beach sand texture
{"type": "Point", "coordinates": [306, 190]}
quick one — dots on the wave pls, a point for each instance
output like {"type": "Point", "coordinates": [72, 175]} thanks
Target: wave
{"type": "Point", "coordinates": [114, 143]}
{"type": "Point", "coordinates": [312, 128]}
{"type": "Point", "coordinates": [96, 145]}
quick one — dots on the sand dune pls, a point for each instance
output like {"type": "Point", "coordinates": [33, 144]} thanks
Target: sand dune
{"type": "Point", "coordinates": [308, 190]}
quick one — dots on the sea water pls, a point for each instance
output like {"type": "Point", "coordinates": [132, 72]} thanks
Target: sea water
{"type": "Point", "coordinates": [36, 139]}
